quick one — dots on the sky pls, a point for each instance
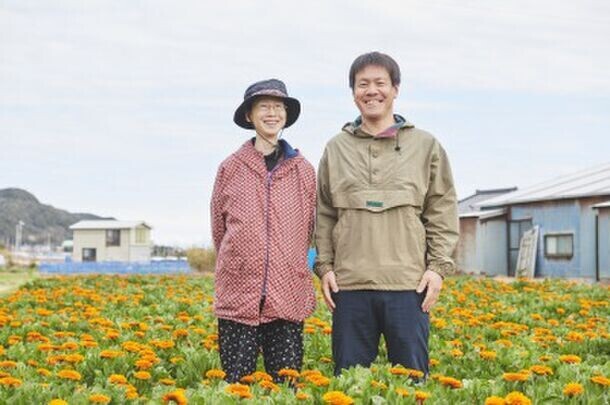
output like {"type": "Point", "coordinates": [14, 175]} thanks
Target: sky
{"type": "Point", "coordinates": [124, 108]}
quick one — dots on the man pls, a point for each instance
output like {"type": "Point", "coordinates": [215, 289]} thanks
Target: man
{"type": "Point", "coordinates": [386, 225]}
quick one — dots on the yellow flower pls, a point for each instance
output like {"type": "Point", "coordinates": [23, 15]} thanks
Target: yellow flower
{"type": "Point", "coordinates": [422, 395]}
{"type": "Point", "coordinates": [69, 375]}
{"type": "Point", "coordinates": [167, 381]}
{"type": "Point", "coordinates": [99, 398]}
{"type": "Point", "coordinates": [488, 355]}
{"type": "Point", "coordinates": [58, 402]}
{"type": "Point", "coordinates": [176, 396]}
{"type": "Point", "coordinates": [215, 373]}
{"type": "Point", "coordinates": [495, 401]}
{"type": "Point", "coordinates": [337, 398]}
{"type": "Point", "coordinates": [570, 358]}
{"type": "Point", "coordinates": [572, 389]}
{"type": "Point", "coordinates": [517, 398]}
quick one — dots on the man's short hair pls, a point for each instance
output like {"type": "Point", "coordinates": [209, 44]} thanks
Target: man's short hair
{"type": "Point", "coordinates": [378, 59]}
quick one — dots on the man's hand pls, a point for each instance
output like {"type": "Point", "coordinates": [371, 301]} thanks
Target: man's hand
{"type": "Point", "coordinates": [434, 282]}
{"type": "Point", "coordinates": [329, 283]}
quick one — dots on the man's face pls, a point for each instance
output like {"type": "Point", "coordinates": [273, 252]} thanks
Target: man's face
{"type": "Point", "coordinates": [268, 115]}
{"type": "Point", "coordinates": [374, 93]}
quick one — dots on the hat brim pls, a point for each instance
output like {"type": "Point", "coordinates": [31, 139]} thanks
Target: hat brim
{"type": "Point", "coordinates": [293, 110]}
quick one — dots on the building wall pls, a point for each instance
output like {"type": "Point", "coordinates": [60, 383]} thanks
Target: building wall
{"type": "Point", "coordinates": [554, 217]}
{"type": "Point", "coordinates": [604, 243]}
{"type": "Point", "coordinates": [96, 239]}
{"type": "Point", "coordinates": [563, 216]}
{"type": "Point", "coordinates": [466, 257]}
{"type": "Point", "coordinates": [492, 234]}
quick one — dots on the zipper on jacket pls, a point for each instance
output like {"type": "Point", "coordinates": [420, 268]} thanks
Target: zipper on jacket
{"type": "Point", "coordinates": [267, 237]}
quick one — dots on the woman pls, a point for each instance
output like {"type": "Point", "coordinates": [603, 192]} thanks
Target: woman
{"type": "Point", "coordinates": [263, 207]}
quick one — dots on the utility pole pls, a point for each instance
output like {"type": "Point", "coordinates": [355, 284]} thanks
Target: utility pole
{"type": "Point", "coordinates": [18, 235]}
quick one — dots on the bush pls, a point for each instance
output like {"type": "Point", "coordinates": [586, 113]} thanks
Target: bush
{"type": "Point", "coordinates": [202, 259]}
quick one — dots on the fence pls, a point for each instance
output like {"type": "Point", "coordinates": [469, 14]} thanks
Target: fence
{"type": "Point", "coordinates": [155, 267]}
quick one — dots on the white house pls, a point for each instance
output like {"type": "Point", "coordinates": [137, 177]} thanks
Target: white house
{"type": "Point", "coordinates": [111, 240]}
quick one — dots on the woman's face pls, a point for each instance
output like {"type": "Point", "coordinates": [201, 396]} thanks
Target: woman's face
{"type": "Point", "coordinates": [268, 115]}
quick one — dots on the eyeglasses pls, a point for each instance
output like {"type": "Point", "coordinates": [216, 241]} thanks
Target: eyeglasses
{"type": "Point", "coordinates": [267, 108]}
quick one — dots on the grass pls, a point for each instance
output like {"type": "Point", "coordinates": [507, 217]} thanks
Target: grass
{"type": "Point", "coordinates": [11, 279]}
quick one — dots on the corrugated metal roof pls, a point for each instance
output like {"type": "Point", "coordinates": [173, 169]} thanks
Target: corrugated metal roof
{"type": "Point", "coordinates": [605, 204]}
{"type": "Point", "coordinates": [469, 204]}
{"type": "Point", "coordinates": [486, 214]}
{"type": "Point", "coordinates": [108, 224]}
{"type": "Point", "coordinates": [594, 181]}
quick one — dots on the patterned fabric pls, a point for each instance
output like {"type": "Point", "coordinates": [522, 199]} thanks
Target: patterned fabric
{"type": "Point", "coordinates": [262, 224]}
{"type": "Point", "coordinates": [240, 344]}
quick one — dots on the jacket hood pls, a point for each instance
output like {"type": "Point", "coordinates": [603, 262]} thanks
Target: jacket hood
{"type": "Point", "coordinates": [353, 128]}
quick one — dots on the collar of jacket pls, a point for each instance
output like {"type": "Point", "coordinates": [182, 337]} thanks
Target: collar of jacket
{"type": "Point", "coordinates": [354, 128]}
{"type": "Point", "coordinates": [256, 162]}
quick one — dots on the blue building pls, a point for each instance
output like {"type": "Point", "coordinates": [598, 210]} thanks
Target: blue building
{"type": "Point", "coordinates": [573, 216]}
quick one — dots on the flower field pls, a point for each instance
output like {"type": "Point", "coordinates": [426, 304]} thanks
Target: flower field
{"type": "Point", "coordinates": [152, 339]}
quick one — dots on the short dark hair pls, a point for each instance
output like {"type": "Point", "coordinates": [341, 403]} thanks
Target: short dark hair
{"type": "Point", "coordinates": [378, 59]}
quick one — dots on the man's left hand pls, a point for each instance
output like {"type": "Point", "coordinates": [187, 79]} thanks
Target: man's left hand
{"type": "Point", "coordinates": [433, 282]}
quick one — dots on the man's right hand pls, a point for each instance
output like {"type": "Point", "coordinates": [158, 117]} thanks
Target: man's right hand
{"type": "Point", "coordinates": [329, 284]}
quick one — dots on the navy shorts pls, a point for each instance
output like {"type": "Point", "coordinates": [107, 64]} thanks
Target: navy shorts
{"type": "Point", "coordinates": [362, 316]}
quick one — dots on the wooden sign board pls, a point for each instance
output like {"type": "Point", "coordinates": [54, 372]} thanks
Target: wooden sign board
{"type": "Point", "coordinates": [526, 262]}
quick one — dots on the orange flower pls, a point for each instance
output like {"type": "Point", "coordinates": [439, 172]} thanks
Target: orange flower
{"type": "Point", "coordinates": [167, 381]}
{"type": "Point", "coordinates": [10, 382]}
{"type": "Point", "coordinates": [495, 401]}
{"type": "Point", "coordinates": [8, 364]}
{"type": "Point", "coordinates": [601, 380]}
{"type": "Point", "coordinates": [269, 385]}
{"type": "Point", "coordinates": [541, 370]}
{"type": "Point", "coordinates": [517, 398]}
{"type": "Point", "coordinates": [570, 359]}
{"type": "Point", "coordinates": [402, 392]}
{"type": "Point", "coordinates": [142, 375]}
{"type": "Point", "coordinates": [337, 398]}
{"type": "Point", "coordinates": [99, 398]}
{"type": "Point", "coordinates": [110, 354]}
{"type": "Point", "coordinates": [450, 382]}
{"type": "Point", "coordinates": [177, 396]}
{"type": "Point", "coordinates": [573, 389]}
{"type": "Point", "coordinates": [515, 376]}
{"type": "Point", "coordinates": [69, 375]}
{"type": "Point", "coordinates": [243, 391]}
{"type": "Point", "coordinates": [215, 373]}
{"type": "Point", "coordinates": [288, 372]}
{"type": "Point", "coordinates": [488, 355]}
{"type": "Point", "coordinates": [301, 396]}
{"type": "Point", "coordinates": [117, 379]}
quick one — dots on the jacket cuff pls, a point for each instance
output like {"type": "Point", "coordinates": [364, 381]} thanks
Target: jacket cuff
{"type": "Point", "coordinates": [322, 268]}
{"type": "Point", "coordinates": [444, 269]}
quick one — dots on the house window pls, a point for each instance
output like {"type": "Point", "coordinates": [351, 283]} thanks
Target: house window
{"type": "Point", "coordinates": [559, 246]}
{"type": "Point", "coordinates": [141, 235]}
{"type": "Point", "coordinates": [89, 255]}
{"type": "Point", "coordinates": [113, 237]}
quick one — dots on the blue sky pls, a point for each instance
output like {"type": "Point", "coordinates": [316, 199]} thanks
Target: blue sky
{"type": "Point", "coordinates": [125, 109]}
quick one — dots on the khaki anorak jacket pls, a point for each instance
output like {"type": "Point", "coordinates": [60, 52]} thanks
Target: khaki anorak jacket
{"type": "Point", "coordinates": [386, 208]}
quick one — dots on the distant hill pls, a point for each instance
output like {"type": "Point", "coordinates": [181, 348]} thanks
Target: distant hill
{"type": "Point", "coordinates": [41, 220]}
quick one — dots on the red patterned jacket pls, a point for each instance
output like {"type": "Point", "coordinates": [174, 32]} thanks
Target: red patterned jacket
{"type": "Point", "coordinates": [262, 223]}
